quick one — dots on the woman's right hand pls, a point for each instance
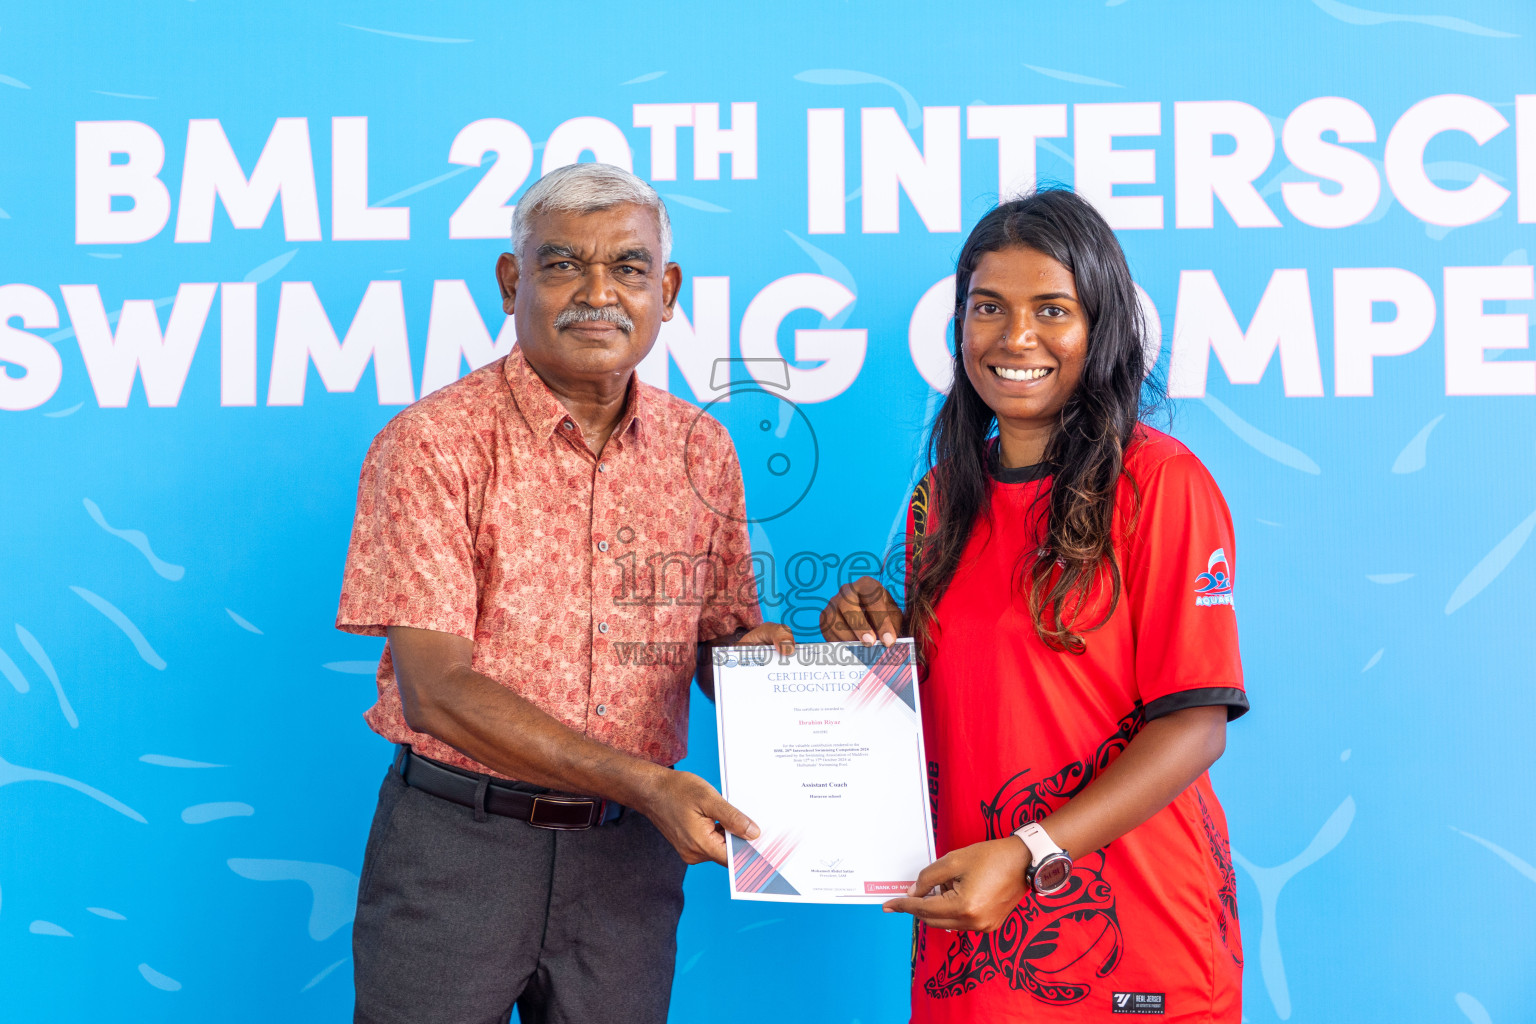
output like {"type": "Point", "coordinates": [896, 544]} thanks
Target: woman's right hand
{"type": "Point", "coordinates": [862, 610]}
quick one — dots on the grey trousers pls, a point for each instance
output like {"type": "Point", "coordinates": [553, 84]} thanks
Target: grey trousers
{"type": "Point", "coordinates": [458, 920]}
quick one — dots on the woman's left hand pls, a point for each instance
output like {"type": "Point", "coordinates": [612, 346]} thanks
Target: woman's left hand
{"type": "Point", "coordinates": [978, 887]}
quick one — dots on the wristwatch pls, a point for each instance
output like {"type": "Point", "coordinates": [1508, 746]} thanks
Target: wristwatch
{"type": "Point", "coordinates": [1050, 867]}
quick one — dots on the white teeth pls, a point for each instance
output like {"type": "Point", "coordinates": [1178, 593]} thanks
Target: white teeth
{"type": "Point", "coordinates": [1010, 374]}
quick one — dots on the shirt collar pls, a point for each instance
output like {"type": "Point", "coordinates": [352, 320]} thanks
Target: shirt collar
{"type": "Point", "coordinates": [545, 413]}
{"type": "Point", "coordinates": [1015, 475]}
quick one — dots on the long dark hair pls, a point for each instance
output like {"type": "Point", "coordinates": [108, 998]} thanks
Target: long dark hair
{"type": "Point", "coordinates": [1086, 453]}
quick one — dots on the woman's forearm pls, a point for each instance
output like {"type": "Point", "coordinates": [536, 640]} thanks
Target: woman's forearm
{"type": "Point", "coordinates": [1163, 759]}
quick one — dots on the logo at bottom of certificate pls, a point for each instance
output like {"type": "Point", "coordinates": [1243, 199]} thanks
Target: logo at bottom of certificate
{"type": "Point", "coordinates": [887, 888]}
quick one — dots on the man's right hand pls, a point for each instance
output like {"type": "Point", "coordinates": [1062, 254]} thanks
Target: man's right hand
{"type": "Point", "coordinates": [694, 817]}
{"type": "Point", "coordinates": [862, 610]}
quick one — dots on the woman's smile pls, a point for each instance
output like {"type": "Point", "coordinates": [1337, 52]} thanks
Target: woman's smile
{"type": "Point", "coordinates": [1025, 375]}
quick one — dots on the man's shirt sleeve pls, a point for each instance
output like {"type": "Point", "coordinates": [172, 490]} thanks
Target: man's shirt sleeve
{"type": "Point", "coordinates": [734, 604]}
{"type": "Point", "coordinates": [411, 560]}
{"type": "Point", "coordinates": [1179, 586]}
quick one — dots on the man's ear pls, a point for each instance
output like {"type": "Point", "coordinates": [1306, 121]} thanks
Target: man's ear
{"type": "Point", "coordinates": [506, 279]}
{"type": "Point", "coordinates": [671, 281]}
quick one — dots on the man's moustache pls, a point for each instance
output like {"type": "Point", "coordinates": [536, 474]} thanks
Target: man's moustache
{"type": "Point", "coordinates": [589, 314]}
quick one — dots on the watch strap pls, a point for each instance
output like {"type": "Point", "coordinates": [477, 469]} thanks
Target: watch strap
{"type": "Point", "coordinates": [1039, 842]}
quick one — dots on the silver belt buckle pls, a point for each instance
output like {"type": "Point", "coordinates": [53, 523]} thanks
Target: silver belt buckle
{"type": "Point", "coordinates": [560, 817]}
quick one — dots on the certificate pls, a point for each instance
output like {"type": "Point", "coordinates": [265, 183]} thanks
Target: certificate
{"type": "Point", "coordinates": [824, 750]}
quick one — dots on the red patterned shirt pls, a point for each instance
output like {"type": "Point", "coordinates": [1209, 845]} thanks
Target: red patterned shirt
{"type": "Point", "coordinates": [585, 582]}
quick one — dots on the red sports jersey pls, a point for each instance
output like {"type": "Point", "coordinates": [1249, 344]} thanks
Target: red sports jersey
{"type": "Point", "coordinates": [1014, 730]}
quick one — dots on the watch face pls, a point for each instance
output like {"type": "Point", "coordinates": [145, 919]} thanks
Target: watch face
{"type": "Point", "coordinates": [1053, 874]}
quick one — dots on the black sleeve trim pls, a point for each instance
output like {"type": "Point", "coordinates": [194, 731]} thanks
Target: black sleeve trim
{"type": "Point", "coordinates": [1207, 696]}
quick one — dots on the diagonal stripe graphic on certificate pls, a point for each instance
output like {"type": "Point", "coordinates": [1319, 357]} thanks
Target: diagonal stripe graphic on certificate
{"type": "Point", "coordinates": [758, 870]}
{"type": "Point", "coordinates": [887, 679]}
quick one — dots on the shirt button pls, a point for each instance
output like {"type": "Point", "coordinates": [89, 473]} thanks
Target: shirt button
{"type": "Point", "coordinates": [602, 545]}
{"type": "Point", "coordinates": [568, 425]}
{"type": "Point", "coordinates": [602, 467]}
{"type": "Point", "coordinates": [602, 627]}
{"type": "Point", "coordinates": [602, 709]}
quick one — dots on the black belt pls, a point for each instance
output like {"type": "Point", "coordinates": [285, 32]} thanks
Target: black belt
{"type": "Point", "coordinates": [497, 796]}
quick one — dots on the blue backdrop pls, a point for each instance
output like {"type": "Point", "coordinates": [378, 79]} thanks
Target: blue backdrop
{"type": "Point", "coordinates": [174, 687]}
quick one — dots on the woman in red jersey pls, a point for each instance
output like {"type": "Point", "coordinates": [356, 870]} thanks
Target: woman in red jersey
{"type": "Point", "coordinates": [1070, 586]}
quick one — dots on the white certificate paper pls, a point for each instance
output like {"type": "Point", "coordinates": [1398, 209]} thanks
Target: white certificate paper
{"type": "Point", "coordinates": [824, 750]}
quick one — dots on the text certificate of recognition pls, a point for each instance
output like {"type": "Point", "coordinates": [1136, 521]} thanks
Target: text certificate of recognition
{"type": "Point", "coordinates": [824, 750]}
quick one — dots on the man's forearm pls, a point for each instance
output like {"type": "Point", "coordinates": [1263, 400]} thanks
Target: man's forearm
{"type": "Point", "coordinates": [489, 723]}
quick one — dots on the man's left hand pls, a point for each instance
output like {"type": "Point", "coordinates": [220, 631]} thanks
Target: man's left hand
{"type": "Point", "coordinates": [772, 634]}
{"type": "Point", "coordinates": [977, 887]}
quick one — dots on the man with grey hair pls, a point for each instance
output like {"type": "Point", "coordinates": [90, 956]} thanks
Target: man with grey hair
{"type": "Point", "coordinates": [513, 536]}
